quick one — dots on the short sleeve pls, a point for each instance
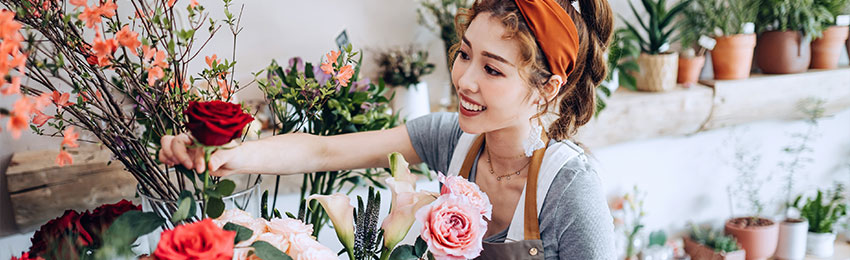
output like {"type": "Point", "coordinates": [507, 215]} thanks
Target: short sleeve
{"type": "Point", "coordinates": [434, 137]}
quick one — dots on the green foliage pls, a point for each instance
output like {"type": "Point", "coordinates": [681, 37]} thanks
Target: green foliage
{"type": "Point", "coordinates": [799, 153]}
{"type": "Point", "coordinates": [622, 55]}
{"type": "Point", "coordinates": [439, 16]}
{"type": "Point", "coordinates": [714, 239]}
{"type": "Point", "coordinates": [267, 251]}
{"type": "Point", "coordinates": [835, 8]}
{"type": "Point", "coordinates": [303, 98]}
{"type": "Point", "coordinates": [404, 67]}
{"type": "Point", "coordinates": [824, 210]}
{"type": "Point", "coordinates": [708, 17]}
{"type": "Point", "coordinates": [793, 15]}
{"type": "Point", "coordinates": [410, 252]}
{"type": "Point", "coordinates": [658, 237]}
{"type": "Point", "coordinates": [659, 27]}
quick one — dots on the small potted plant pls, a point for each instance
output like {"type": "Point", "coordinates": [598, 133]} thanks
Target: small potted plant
{"type": "Point", "coordinates": [827, 49]}
{"type": "Point", "coordinates": [705, 244]}
{"type": "Point", "coordinates": [787, 28]}
{"type": "Point", "coordinates": [757, 235]}
{"type": "Point", "coordinates": [793, 229]}
{"type": "Point", "coordinates": [729, 22]}
{"type": "Point", "coordinates": [658, 65]}
{"type": "Point", "coordinates": [628, 216]}
{"type": "Point", "coordinates": [403, 69]}
{"type": "Point", "coordinates": [822, 212]}
{"type": "Point", "coordinates": [695, 43]}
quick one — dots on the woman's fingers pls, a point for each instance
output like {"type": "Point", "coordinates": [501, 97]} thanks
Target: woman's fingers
{"type": "Point", "coordinates": [165, 153]}
{"type": "Point", "coordinates": [179, 150]}
{"type": "Point", "coordinates": [219, 159]}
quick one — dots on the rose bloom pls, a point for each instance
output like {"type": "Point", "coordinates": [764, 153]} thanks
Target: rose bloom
{"type": "Point", "coordinates": [199, 240]}
{"type": "Point", "coordinates": [462, 187]}
{"type": "Point", "coordinates": [242, 218]}
{"type": "Point", "coordinates": [288, 227]}
{"type": "Point", "coordinates": [216, 123]}
{"type": "Point", "coordinates": [452, 227]}
{"type": "Point", "coordinates": [314, 253]}
{"type": "Point", "coordinates": [300, 243]}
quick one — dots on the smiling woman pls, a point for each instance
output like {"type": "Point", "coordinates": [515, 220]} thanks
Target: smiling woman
{"type": "Point", "coordinates": [519, 63]}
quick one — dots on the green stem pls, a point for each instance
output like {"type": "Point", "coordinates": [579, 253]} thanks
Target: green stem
{"type": "Point", "coordinates": [351, 254]}
{"type": "Point", "coordinates": [207, 155]}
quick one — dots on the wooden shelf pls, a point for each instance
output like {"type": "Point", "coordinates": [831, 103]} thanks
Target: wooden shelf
{"type": "Point", "coordinates": [714, 104]}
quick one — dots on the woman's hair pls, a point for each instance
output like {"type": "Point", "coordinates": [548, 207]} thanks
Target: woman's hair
{"type": "Point", "coordinates": [577, 97]}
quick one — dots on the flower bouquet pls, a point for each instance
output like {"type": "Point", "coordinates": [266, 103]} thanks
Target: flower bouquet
{"type": "Point", "coordinates": [325, 100]}
{"type": "Point", "coordinates": [115, 76]}
{"type": "Point", "coordinates": [454, 220]}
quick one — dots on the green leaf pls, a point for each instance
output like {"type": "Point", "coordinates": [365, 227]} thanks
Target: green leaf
{"type": "Point", "coordinates": [404, 252]}
{"type": "Point", "coordinates": [267, 251]}
{"type": "Point", "coordinates": [225, 187]}
{"type": "Point", "coordinates": [359, 119]}
{"type": "Point", "coordinates": [657, 238]}
{"type": "Point", "coordinates": [242, 233]}
{"type": "Point", "coordinates": [215, 206]}
{"type": "Point", "coordinates": [420, 246]}
{"type": "Point", "coordinates": [186, 207]}
{"type": "Point", "coordinates": [130, 226]}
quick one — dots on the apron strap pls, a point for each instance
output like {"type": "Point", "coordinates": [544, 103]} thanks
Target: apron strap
{"type": "Point", "coordinates": [530, 220]}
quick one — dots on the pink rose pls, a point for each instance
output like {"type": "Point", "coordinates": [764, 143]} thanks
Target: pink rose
{"type": "Point", "coordinates": [242, 218]}
{"type": "Point", "coordinates": [453, 227]}
{"type": "Point", "coordinates": [288, 227]}
{"type": "Point", "coordinates": [301, 243]}
{"type": "Point", "coordinates": [462, 187]}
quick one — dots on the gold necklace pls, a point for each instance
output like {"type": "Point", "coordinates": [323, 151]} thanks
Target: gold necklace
{"type": "Point", "coordinates": [499, 177]}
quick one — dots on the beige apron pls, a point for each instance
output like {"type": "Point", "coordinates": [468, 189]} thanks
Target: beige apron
{"type": "Point", "coordinates": [523, 240]}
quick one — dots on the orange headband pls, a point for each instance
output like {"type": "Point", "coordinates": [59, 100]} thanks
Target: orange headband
{"type": "Point", "coordinates": [555, 32]}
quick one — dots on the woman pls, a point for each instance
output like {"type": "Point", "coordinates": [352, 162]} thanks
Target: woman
{"type": "Point", "coordinates": [517, 62]}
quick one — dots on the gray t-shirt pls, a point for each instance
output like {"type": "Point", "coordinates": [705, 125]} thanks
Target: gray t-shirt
{"type": "Point", "coordinates": [575, 222]}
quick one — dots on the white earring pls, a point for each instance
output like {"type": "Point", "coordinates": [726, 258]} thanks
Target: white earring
{"type": "Point", "coordinates": [533, 142]}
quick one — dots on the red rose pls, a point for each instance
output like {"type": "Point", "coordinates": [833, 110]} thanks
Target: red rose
{"type": "Point", "coordinates": [99, 220]}
{"type": "Point", "coordinates": [215, 123]}
{"type": "Point", "coordinates": [61, 237]}
{"type": "Point", "coordinates": [199, 240]}
{"type": "Point", "coordinates": [26, 256]}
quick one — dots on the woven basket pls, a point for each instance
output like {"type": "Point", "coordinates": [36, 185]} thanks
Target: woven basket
{"type": "Point", "coordinates": [657, 72]}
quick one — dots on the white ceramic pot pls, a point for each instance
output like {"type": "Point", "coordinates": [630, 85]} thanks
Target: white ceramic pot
{"type": "Point", "coordinates": [792, 239]}
{"type": "Point", "coordinates": [412, 102]}
{"type": "Point", "coordinates": [820, 244]}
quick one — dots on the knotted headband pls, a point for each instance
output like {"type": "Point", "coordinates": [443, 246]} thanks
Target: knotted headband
{"type": "Point", "coordinates": [555, 32]}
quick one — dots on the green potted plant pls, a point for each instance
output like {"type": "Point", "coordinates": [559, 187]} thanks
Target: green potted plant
{"type": "Point", "coordinates": [793, 229]}
{"type": "Point", "coordinates": [787, 27]}
{"type": "Point", "coordinates": [403, 69]}
{"type": "Point", "coordinates": [729, 22]}
{"type": "Point", "coordinates": [756, 234]}
{"type": "Point", "coordinates": [705, 244]}
{"type": "Point", "coordinates": [658, 65]}
{"type": "Point", "coordinates": [827, 49]}
{"type": "Point", "coordinates": [622, 55]}
{"type": "Point", "coordinates": [692, 56]}
{"type": "Point", "coordinates": [822, 212]}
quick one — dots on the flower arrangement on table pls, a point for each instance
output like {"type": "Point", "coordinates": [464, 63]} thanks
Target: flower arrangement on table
{"type": "Point", "coordinates": [628, 216]}
{"type": "Point", "coordinates": [329, 99]}
{"type": "Point", "coordinates": [404, 67]}
{"type": "Point", "coordinates": [115, 76]}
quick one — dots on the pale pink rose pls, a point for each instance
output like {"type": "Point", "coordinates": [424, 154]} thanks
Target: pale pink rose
{"type": "Point", "coordinates": [299, 243]}
{"type": "Point", "coordinates": [289, 226]}
{"type": "Point", "coordinates": [278, 241]}
{"type": "Point", "coordinates": [314, 253]}
{"type": "Point", "coordinates": [242, 218]}
{"type": "Point", "coordinates": [462, 187]}
{"type": "Point", "coordinates": [453, 227]}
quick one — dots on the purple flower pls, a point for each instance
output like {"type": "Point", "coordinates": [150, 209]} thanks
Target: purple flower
{"type": "Point", "coordinates": [320, 75]}
{"type": "Point", "coordinates": [297, 63]}
{"type": "Point", "coordinates": [362, 85]}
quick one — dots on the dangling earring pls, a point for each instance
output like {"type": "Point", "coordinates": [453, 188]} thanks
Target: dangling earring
{"type": "Point", "coordinates": [533, 142]}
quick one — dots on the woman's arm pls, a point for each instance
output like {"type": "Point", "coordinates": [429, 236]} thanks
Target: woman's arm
{"type": "Point", "coordinates": [294, 153]}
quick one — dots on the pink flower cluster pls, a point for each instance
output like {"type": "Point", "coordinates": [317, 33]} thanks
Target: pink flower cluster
{"type": "Point", "coordinates": [290, 236]}
{"type": "Point", "coordinates": [454, 225]}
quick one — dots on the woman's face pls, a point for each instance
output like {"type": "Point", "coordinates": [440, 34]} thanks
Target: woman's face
{"type": "Point", "coordinates": [491, 93]}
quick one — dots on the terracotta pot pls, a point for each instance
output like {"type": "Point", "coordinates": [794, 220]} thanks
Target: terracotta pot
{"type": "Point", "coordinates": [783, 52]}
{"type": "Point", "coordinates": [689, 69]}
{"type": "Point", "coordinates": [827, 49]}
{"type": "Point", "coordinates": [657, 72]}
{"type": "Point", "coordinates": [699, 251]}
{"type": "Point", "coordinates": [732, 57]}
{"type": "Point", "coordinates": [792, 239]}
{"type": "Point", "coordinates": [758, 241]}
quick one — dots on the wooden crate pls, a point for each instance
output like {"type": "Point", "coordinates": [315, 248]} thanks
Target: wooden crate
{"type": "Point", "coordinates": [41, 190]}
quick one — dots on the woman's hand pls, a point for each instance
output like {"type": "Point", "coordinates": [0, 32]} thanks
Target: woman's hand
{"type": "Point", "coordinates": [176, 150]}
